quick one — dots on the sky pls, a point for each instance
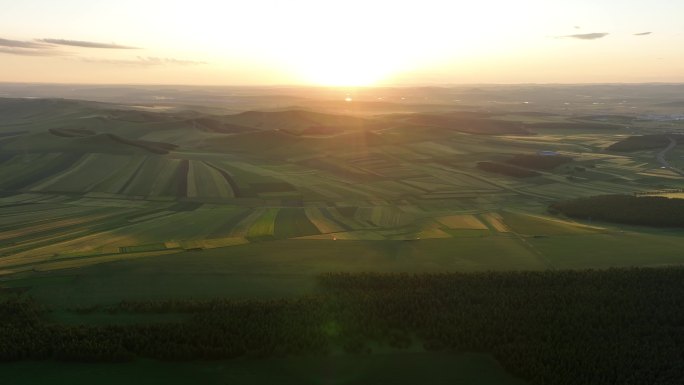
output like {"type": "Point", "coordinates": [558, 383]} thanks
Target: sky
{"type": "Point", "coordinates": [341, 43]}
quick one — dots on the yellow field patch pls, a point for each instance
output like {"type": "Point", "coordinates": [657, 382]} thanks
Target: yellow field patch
{"type": "Point", "coordinates": [673, 195]}
{"type": "Point", "coordinates": [495, 220]}
{"type": "Point", "coordinates": [241, 229]}
{"type": "Point", "coordinates": [432, 233]}
{"type": "Point", "coordinates": [662, 173]}
{"type": "Point", "coordinates": [50, 225]}
{"type": "Point", "coordinates": [462, 222]}
{"type": "Point", "coordinates": [265, 224]}
{"type": "Point", "coordinates": [98, 242]}
{"type": "Point", "coordinates": [565, 222]}
{"type": "Point", "coordinates": [531, 224]}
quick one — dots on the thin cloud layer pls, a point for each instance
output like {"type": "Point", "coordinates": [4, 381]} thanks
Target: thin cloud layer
{"type": "Point", "coordinates": [85, 44]}
{"type": "Point", "coordinates": [30, 52]}
{"type": "Point", "coordinates": [21, 44]}
{"type": "Point", "coordinates": [49, 47]}
{"type": "Point", "coordinates": [643, 33]}
{"type": "Point", "coordinates": [586, 36]}
{"type": "Point", "coordinates": [27, 48]}
{"type": "Point", "coordinates": [149, 61]}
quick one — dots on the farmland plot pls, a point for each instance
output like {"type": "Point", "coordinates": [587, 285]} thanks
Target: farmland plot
{"type": "Point", "coordinates": [84, 175]}
{"type": "Point", "coordinates": [293, 222]}
{"type": "Point", "coordinates": [462, 222]}
{"type": "Point", "coordinates": [383, 216]}
{"type": "Point", "coordinates": [25, 170]}
{"type": "Point", "coordinates": [540, 225]}
{"type": "Point", "coordinates": [264, 226]}
{"type": "Point", "coordinates": [323, 223]}
{"type": "Point", "coordinates": [117, 180]}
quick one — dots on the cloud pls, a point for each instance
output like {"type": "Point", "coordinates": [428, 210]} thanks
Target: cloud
{"type": "Point", "coordinates": [27, 48]}
{"type": "Point", "coordinates": [30, 52]}
{"type": "Point", "coordinates": [643, 33]}
{"type": "Point", "coordinates": [145, 61]}
{"type": "Point", "coordinates": [85, 44]}
{"type": "Point", "coordinates": [587, 36]}
{"type": "Point", "coordinates": [21, 44]}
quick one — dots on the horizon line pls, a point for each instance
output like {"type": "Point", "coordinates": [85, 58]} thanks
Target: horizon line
{"type": "Point", "coordinates": [398, 85]}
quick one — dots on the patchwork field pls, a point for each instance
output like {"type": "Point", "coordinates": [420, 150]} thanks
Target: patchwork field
{"type": "Point", "coordinates": [101, 204]}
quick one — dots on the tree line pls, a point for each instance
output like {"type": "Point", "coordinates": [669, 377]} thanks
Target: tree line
{"type": "Point", "coordinates": [643, 142]}
{"type": "Point", "coordinates": [642, 210]}
{"type": "Point", "coordinates": [618, 326]}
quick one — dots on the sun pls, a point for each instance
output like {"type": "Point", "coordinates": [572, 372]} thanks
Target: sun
{"type": "Point", "coordinates": [343, 73]}
{"type": "Point", "coordinates": [355, 67]}
{"type": "Point", "coordinates": [344, 57]}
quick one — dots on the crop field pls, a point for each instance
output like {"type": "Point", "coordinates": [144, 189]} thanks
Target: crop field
{"type": "Point", "coordinates": [100, 205]}
{"type": "Point", "coordinates": [462, 222]}
{"type": "Point", "coordinates": [264, 225]}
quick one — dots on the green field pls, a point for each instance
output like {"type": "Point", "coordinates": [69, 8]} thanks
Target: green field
{"type": "Point", "coordinates": [102, 203]}
{"type": "Point", "coordinates": [388, 368]}
{"type": "Point", "coordinates": [376, 179]}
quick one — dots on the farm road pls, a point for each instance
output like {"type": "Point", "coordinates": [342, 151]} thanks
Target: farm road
{"type": "Point", "coordinates": [661, 157]}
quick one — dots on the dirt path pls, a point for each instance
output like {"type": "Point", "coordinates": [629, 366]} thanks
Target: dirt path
{"type": "Point", "coordinates": [661, 157]}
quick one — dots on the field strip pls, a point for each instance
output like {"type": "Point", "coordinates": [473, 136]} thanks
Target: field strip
{"type": "Point", "coordinates": [131, 176]}
{"type": "Point", "coordinates": [357, 235]}
{"type": "Point", "coordinates": [82, 163]}
{"type": "Point", "coordinates": [432, 233]}
{"type": "Point", "coordinates": [383, 216]}
{"type": "Point", "coordinates": [40, 242]}
{"type": "Point", "coordinates": [485, 180]}
{"type": "Point", "coordinates": [323, 224]}
{"type": "Point", "coordinates": [114, 202]}
{"type": "Point", "coordinates": [265, 224]}
{"type": "Point", "coordinates": [324, 191]}
{"type": "Point", "coordinates": [241, 229]}
{"type": "Point", "coordinates": [351, 223]}
{"type": "Point", "coordinates": [13, 220]}
{"type": "Point", "coordinates": [82, 262]}
{"type": "Point", "coordinates": [221, 185]}
{"type": "Point", "coordinates": [228, 178]}
{"type": "Point", "coordinates": [11, 262]}
{"type": "Point", "coordinates": [256, 169]}
{"type": "Point", "coordinates": [192, 183]}
{"type": "Point", "coordinates": [214, 243]}
{"type": "Point", "coordinates": [378, 191]}
{"type": "Point", "coordinates": [463, 221]}
{"type": "Point", "coordinates": [50, 226]}
{"type": "Point", "coordinates": [21, 198]}
{"type": "Point", "coordinates": [354, 189]}
{"type": "Point", "coordinates": [495, 220]}
{"type": "Point", "coordinates": [167, 175]}
{"type": "Point", "coordinates": [115, 182]}
{"type": "Point", "coordinates": [148, 217]}
{"type": "Point", "coordinates": [558, 221]}
{"type": "Point", "coordinates": [86, 243]}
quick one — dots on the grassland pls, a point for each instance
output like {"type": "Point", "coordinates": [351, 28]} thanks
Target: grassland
{"type": "Point", "coordinates": [257, 204]}
{"type": "Point", "coordinates": [396, 368]}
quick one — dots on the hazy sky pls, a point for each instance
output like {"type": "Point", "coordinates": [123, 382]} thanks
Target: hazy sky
{"type": "Point", "coordinates": [341, 42]}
